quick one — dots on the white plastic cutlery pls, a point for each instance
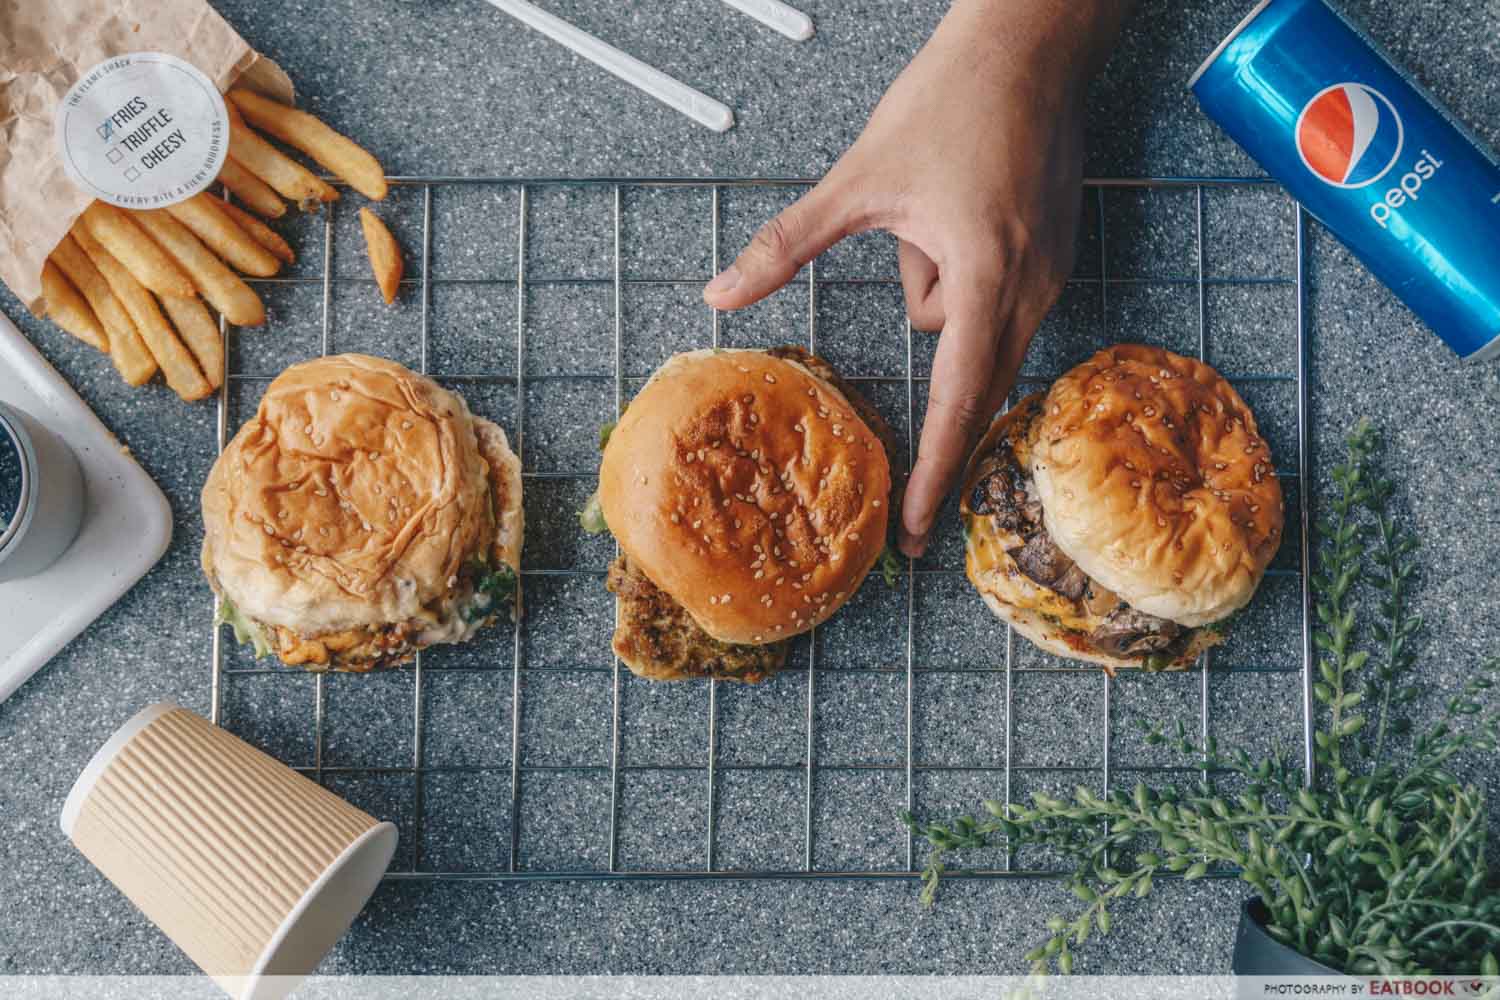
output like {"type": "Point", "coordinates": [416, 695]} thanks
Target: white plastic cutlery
{"type": "Point", "coordinates": [777, 16]}
{"type": "Point", "coordinates": [675, 94]}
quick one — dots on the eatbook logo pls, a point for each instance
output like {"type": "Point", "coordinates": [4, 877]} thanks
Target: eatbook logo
{"type": "Point", "coordinates": [1349, 135]}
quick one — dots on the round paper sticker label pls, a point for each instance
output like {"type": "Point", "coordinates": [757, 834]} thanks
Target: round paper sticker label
{"type": "Point", "coordinates": [142, 130]}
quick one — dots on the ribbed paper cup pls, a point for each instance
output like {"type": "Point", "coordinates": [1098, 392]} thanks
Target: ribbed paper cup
{"type": "Point", "coordinates": [250, 868]}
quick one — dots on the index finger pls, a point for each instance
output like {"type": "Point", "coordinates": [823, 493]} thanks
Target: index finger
{"type": "Point", "coordinates": [973, 368]}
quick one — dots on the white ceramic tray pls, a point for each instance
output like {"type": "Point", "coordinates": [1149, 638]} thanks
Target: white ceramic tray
{"type": "Point", "coordinates": [126, 522]}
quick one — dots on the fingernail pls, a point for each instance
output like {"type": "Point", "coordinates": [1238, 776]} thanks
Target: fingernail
{"type": "Point", "coordinates": [726, 281]}
{"type": "Point", "coordinates": [913, 545]}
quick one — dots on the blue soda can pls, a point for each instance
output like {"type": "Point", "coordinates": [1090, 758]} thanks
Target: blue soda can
{"type": "Point", "coordinates": [1416, 198]}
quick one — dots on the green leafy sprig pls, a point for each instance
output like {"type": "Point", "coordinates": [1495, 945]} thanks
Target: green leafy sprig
{"type": "Point", "coordinates": [1377, 867]}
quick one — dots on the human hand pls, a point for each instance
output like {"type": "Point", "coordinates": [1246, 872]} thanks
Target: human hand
{"type": "Point", "coordinates": [973, 159]}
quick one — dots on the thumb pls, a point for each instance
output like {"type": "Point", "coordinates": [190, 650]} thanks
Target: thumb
{"type": "Point", "coordinates": [806, 228]}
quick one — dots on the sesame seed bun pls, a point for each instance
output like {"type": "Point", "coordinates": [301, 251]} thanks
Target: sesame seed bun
{"type": "Point", "coordinates": [748, 489]}
{"type": "Point", "coordinates": [356, 496]}
{"type": "Point", "coordinates": [1154, 479]}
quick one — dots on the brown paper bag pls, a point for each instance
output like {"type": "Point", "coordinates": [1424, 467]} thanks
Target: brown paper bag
{"type": "Point", "coordinates": [45, 46]}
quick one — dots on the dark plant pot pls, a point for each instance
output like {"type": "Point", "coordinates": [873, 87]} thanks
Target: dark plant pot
{"type": "Point", "coordinates": [1257, 953]}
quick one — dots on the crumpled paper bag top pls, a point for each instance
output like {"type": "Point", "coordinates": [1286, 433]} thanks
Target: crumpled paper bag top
{"type": "Point", "coordinates": [45, 46]}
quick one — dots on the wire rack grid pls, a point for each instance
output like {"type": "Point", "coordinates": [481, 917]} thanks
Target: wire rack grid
{"type": "Point", "coordinates": [513, 859]}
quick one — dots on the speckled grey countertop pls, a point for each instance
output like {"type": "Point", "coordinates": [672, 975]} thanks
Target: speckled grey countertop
{"type": "Point", "coordinates": [451, 87]}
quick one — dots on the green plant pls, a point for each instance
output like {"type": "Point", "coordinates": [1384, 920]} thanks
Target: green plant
{"type": "Point", "coordinates": [1375, 867]}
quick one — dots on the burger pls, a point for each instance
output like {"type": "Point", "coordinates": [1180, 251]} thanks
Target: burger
{"type": "Point", "coordinates": [750, 493]}
{"type": "Point", "coordinates": [1123, 515]}
{"type": "Point", "coordinates": [361, 516]}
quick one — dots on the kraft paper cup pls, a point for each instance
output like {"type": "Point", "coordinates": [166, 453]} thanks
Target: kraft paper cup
{"type": "Point", "coordinates": [250, 868]}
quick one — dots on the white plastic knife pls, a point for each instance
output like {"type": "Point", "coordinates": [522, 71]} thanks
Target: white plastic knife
{"type": "Point", "coordinates": [673, 93]}
{"type": "Point", "coordinates": [777, 16]}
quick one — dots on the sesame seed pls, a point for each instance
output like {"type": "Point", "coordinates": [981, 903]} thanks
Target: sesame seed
{"type": "Point", "coordinates": [759, 573]}
{"type": "Point", "coordinates": [698, 523]}
{"type": "Point", "coordinates": [770, 378]}
{"type": "Point", "coordinates": [756, 638]}
{"type": "Point", "coordinates": [676, 518]}
{"type": "Point", "coordinates": [736, 520]}
{"type": "Point", "coordinates": [321, 492]}
{"type": "Point", "coordinates": [748, 400]}
{"type": "Point", "coordinates": [806, 599]}
{"type": "Point", "coordinates": [754, 420]}
{"type": "Point", "coordinates": [725, 599]}
{"type": "Point", "coordinates": [283, 515]}
{"type": "Point", "coordinates": [323, 531]}
{"type": "Point", "coordinates": [270, 530]}
{"type": "Point", "coordinates": [812, 393]}
{"type": "Point", "coordinates": [689, 458]}
{"type": "Point", "coordinates": [334, 396]}
{"type": "Point", "coordinates": [707, 541]}
{"type": "Point", "coordinates": [775, 628]}
{"type": "Point", "coordinates": [1255, 508]}
{"type": "Point", "coordinates": [1135, 483]}
{"type": "Point", "coordinates": [780, 580]}
{"type": "Point", "coordinates": [743, 369]}
{"type": "Point", "coordinates": [874, 503]}
{"type": "Point", "coordinates": [853, 536]}
{"type": "Point", "coordinates": [406, 425]}
{"type": "Point", "coordinates": [713, 599]}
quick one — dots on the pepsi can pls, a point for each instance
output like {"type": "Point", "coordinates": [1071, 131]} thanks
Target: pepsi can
{"type": "Point", "coordinates": [1365, 151]}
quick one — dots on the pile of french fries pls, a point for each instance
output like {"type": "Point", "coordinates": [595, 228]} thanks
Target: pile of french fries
{"type": "Point", "coordinates": [134, 283]}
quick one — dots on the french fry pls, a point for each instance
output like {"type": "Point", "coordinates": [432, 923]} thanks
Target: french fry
{"type": "Point", "coordinates": [126, 349]}
{"type": "Point", "coordinates": [67, 307]}
{"type": "Point", "coordinates": [385, 255]}
{"type": "Point", "coordinates": [300, 130]}
{"type": "Point", "coordinates": [176, 363]}
{"type": "Point", "coordinates": [260, 232]}
{"type": "Point", "coordinates": [223, 289]}
{"type": "Point", "coordinates": [203, 215]}
{"type": "Point", "coordinates": [126, 243]}
{"type": "Point", "coordinates": [200, 333]}
{"type": "Point", "coordinates": [251, 189]}
{"type": "Point", "coordinates": [289, 178]}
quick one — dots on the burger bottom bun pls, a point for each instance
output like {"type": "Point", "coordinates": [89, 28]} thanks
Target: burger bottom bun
{"type": "Point", "coordinates": [1045, 636]}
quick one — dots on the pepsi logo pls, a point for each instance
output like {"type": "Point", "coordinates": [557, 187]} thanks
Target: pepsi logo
{"type": "Point", "coordinates": [1349, 135]}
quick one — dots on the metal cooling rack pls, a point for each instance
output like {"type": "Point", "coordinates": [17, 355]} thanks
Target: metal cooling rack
{"type": "Point", "coordinates": [516, 865]}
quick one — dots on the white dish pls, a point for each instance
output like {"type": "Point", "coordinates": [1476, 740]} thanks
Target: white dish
{"type": "Point", "coordinates": [126, 522]}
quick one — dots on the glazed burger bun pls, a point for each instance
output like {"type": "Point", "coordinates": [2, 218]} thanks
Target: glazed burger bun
{"type": "Point", "coordinates": [748, 489]}
{"type": "Point", "coordinates": [1154, 479]}
{"type": "Point", "coordinates": [355, 497]}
